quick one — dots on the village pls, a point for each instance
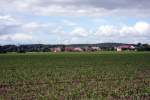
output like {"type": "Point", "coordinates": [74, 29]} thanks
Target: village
{"type": "Point", "coordinates": [74, 47]}
{"type": "Point", "coordinates": [93, 49]}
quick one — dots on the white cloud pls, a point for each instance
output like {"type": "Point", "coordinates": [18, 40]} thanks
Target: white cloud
{"type": "Point", "coordinates": [35, 27]}
{"type": "Point", "coordinates": [6, 17]}
{"type": "Point", "coordinates": [142, 27]}
{"type": "Point", "coordinates": [12, 29]}
{"type": "Point", "coordinates": [106, 30]}
{"type": "Point", "coordinates": [21, 36]}
{"type": "Point", "coordinates": [8, 24]}
{"type": "Point", "coordinates": [16, 17]}
{"type": "Point", "coordinates": [58, 30]}
{"type": "Point", "coordinates": [11, 25]}
{"type": "Point", "coordinates": [69, 23]}
{"type": "Point", "coordinates": [55, 10]}
{"type": "Point", "coordinates": [16, 37]}
{"type": "Point", "coordinates": [138, 30]}
{"type": "Point", "coordinates": [79, 31]}
{"type": "Point", "coordinates": [73, 32]}
{"type": "Point", "coordinates": [8, 20]}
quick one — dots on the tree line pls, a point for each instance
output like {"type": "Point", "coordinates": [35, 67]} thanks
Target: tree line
{"type": "Point", "coordinates": [46, 48]}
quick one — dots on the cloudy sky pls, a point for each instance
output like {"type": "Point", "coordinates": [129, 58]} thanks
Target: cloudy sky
{"type": "Point", "coordinates": [74, 21]}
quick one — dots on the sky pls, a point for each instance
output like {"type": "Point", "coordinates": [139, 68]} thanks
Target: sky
{"type": "Point", "coordinates": [74, 21]}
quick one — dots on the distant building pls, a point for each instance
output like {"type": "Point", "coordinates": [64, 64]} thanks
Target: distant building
{"type": "Point", "coordinates": [57, 49]}
{"type": "Point", "coordinates": [73, 49]}
{"type": "Point", "coordinates": [86, 49]}
{"type": "Point", "coordinates": [95, 49]}
{"type": "Point", "coordinates": [118, 49]}
{"type": "Point", "coordinates": [69, 49]}
{"type": "Point", "coordinates": [77, 49]}
{"type": "Point", "coordinates": [125, 47]}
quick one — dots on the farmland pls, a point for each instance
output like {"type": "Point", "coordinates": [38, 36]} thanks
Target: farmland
{"type": "Point", "coordinates": [75, 76]}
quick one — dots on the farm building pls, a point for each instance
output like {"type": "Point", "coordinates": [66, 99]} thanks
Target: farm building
{"type": "Point", "coordinates": [69, 49]}
{"type": "Point", "coordinates": [125, 47]}
{"type": "Point", "coordinates": [73, 49]}
{"type": "Point", "coordinates": [55, 49]}
{"type": "Point", "coordinates": [77, 49]}
{"type": "Point", "coordinates": [95, 49]}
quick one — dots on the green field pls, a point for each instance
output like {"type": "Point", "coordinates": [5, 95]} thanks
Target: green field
{"type": "Point", "coordinates": [75, 76]}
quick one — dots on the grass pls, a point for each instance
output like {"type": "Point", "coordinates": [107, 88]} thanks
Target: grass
{"type": "Point", "coordinates": [75, 76]}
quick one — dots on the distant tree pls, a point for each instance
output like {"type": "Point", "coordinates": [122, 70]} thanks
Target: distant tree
{"type": "Point", "coordinates": [143, 47]}
{"type": "Point", "coordinates": [139, 44]}
{"type": "Point", "coordinates": [21, 49]}
{"type": "Point", "coordinates": [46, 49]}
{"type": "Point", "coordinates": [146, 47]}
{"type": "Point", "coordinates": [63, 48]}
{"type": "Point", "coordinates": [2, 50]}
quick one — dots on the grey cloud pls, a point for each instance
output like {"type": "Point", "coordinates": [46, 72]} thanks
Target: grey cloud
{"type": "Point", "coordinates": [139, 8]}
{"type": "Point", "coordinates": [8, 25]}
{"type": "Point", "coordinates": [106, 4]}
{"type": "Point", "coordinates": [119, 4]}
{"type": "Point", "coordinates": [8, 29]}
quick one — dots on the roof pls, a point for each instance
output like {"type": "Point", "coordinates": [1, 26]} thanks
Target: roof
{"type": "Point", "coordinates": [125, 46]}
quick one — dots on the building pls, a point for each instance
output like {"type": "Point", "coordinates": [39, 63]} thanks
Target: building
{"type": "Point", "coordinates": [125, 47]}
{"type": "Point", "coordinates": [95, 49]}
{"type": "Point", "coordinates": [73, 49]}
{"type": "Point", "coordinates": [69, 49]}
{"type": "Point", "coordinates": [77, 49]}
{"type": "Point", "coordinates": [57, 49]}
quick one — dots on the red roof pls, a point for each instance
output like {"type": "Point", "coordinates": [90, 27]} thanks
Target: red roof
{"type": "Point", "coordinates": [125, 46]}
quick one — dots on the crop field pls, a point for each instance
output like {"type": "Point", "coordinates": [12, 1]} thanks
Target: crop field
{"type": "Point", "coordinates": [75, 76]}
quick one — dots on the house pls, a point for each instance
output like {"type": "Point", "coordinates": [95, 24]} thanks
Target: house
{"type": "Point", "coordinates": [95, 49]}
{"type": "Point", "coordinates": [73, 49]}
{"type": "Point", "coordinates": [69, 49]}
{"type": "Point", "coordinates": [77, 49]}
{"type": "Point", "coordinates": [125, 47]}
{"type": "Point", "coordinates": [57, 49]}
{"type": "Point", "coordinates": [118, 49]}
{"type": "Point", "coordinates": [87, 49]}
